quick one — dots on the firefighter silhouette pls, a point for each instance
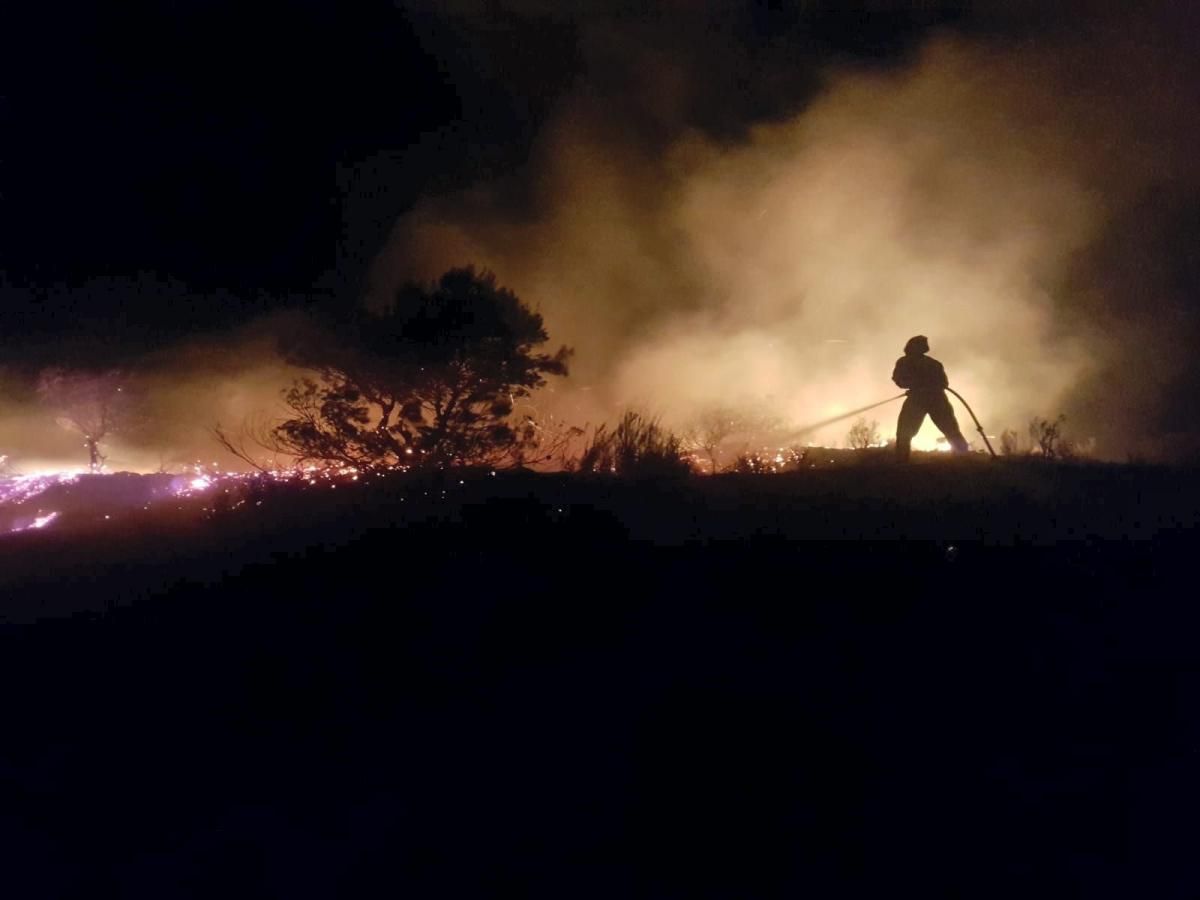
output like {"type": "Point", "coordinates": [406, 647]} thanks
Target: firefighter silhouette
{"type": "Point", "coordinates": [925, 380]}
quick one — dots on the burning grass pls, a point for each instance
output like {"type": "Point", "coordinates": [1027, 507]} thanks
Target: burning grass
{"type": "Point", "coordinates": [75, 498]}
{"type": "Point", "coordinates": [116, 536]}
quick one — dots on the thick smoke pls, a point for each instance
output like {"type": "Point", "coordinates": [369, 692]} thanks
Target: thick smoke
{"type": "Point", "coordinates": [963, 195]}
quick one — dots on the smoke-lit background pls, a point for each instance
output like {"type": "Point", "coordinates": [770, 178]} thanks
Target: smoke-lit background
{"type": "Point", "coordinates": [715, 205]}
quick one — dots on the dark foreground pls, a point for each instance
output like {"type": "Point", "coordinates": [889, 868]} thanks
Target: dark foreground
{"type": "Point", "coordinates": [964, 681]}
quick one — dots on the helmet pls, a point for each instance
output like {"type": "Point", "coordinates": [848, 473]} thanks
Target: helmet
{"type": "Point", "coordinates": [918, 344]}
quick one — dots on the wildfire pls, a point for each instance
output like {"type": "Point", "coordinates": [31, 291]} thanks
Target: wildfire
{"type": "Point", "coordinates": [26, 498]}
{"type": "Point", "coordinates": [16, 489]}
{"type": "Point", "coordinates": [38, 500]}
{"type": "Point", "coordinates": [38, 522]}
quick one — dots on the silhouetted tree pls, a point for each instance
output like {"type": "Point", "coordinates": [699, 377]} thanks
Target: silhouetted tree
{"type": "Point", "coordinates": [862, 435]}
{"type": "Point", "coordinates": [709, 430]}
{"type": "Point", "coordinates": [95, 404]}
{"type": "Point", "coordinates": [430, 381]}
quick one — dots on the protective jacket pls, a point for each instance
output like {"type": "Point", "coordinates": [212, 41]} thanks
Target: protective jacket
{"type": "Point", "coordinates": [919, 373]}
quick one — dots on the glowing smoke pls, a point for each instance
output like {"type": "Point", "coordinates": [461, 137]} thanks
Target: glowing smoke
{"type": "Point", "coordinates": [953, 198]}
{"type": "Point", "coordinates": [986, 194]}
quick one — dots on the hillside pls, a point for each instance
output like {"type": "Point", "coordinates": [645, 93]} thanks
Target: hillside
{"type": "Point", "coordinates": [112, 538]}
{"type": "Point", "coordinates": [975, 677]}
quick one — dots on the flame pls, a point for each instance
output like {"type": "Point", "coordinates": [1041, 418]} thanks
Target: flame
{"type": "Point", "coordinates": [40, 521]}
{"type": "Point", "coordinates": [18, 490]}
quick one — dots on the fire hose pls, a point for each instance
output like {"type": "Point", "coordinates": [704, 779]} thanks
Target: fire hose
{"type": "Point", "coordinates": [838, 418]}
{"type": "Point", "coordinates": [863, 409]}
{"type": "Point", "coordinates": [974, 419]}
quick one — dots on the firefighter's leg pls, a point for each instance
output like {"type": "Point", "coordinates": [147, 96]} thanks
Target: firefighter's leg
{"type": "Point", "coordinates": [943, 417]}
{"type": "Point", "coordinates": [912, 414]}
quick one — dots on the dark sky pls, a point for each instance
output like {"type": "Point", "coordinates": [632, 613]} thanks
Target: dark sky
{"type": "Point", "coordinates": [255, 155]}
{"type": "Point", "coordinates": [197, 142]}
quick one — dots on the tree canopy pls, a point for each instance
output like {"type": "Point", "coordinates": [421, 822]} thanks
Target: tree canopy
{"type": "Point", "coordinates": [429, 381]}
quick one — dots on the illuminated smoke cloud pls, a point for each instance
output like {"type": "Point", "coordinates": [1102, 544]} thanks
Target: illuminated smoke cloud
{"type": "Point", "coordinates": [953, 197]}
{"type": "Point", "coordinates": [1016, 201]}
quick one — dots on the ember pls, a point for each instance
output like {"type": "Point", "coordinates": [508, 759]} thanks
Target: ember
{"type": "Point", "coordinates": [36, 501]}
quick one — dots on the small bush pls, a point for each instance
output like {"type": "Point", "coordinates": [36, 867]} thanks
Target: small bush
{"type": "Point", "coordinates": [638, 447]}
{"type": "Point", "coordinates": [1010, 443]}
{"type": "Point", "coordinates": [1049, 439]}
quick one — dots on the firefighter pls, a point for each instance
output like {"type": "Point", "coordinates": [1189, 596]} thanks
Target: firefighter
{"type": "Point", "coordinates": [925, 380]}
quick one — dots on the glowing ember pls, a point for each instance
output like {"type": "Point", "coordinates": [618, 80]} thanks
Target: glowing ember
{"type": "Point", "coordinates": [76, 492]}
{"type": "Point", "coordinates": [38, 522]}
{"type": "Point", "coordinates": [17, 489]}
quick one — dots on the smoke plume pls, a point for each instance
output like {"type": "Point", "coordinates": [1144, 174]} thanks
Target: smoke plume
{"type": "Point", "coordinates": [712, 222]}
{"type": "Point", "coordinates": [967, 194]}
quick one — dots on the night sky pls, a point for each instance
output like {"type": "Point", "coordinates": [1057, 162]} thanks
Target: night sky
{"type": "Point", "coordinates": [201, 146]}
